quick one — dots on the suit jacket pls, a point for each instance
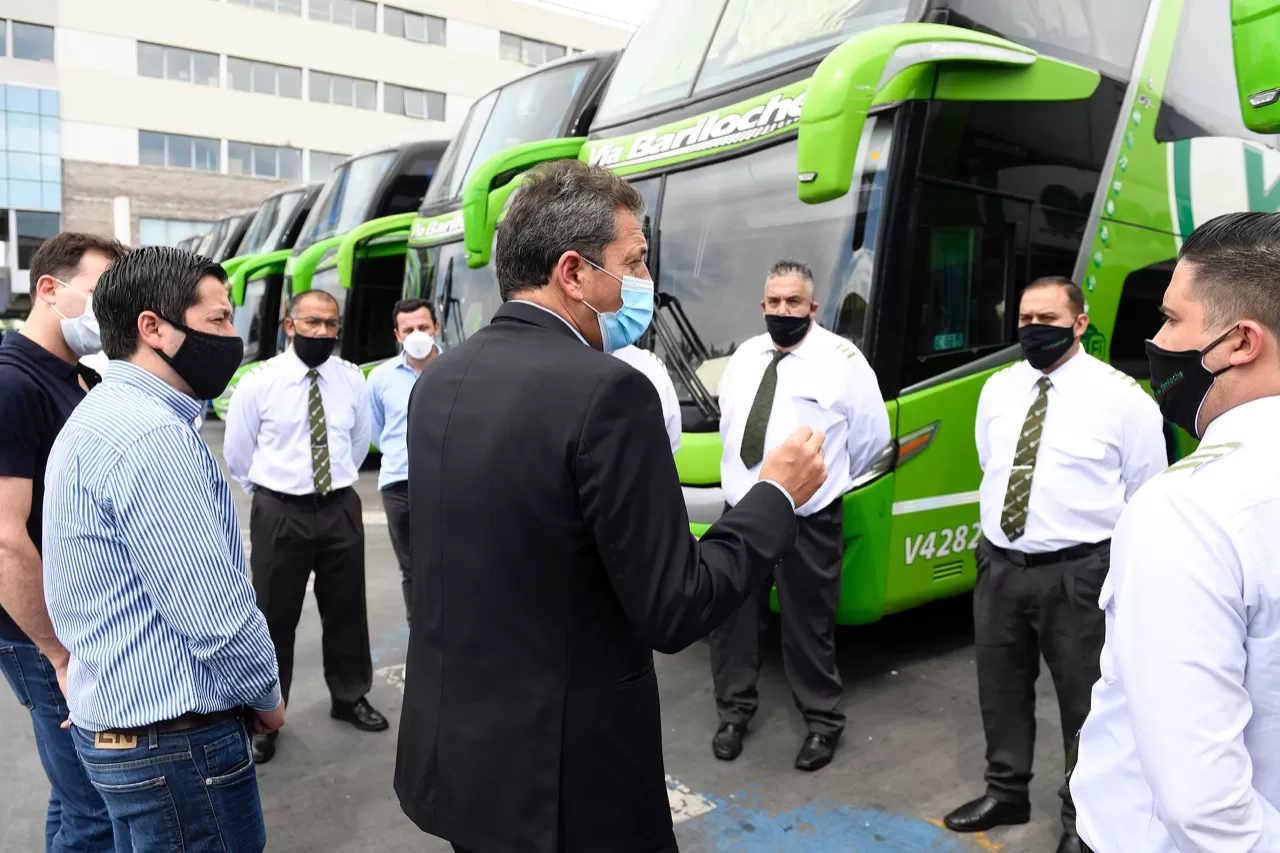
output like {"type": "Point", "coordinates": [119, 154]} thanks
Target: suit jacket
{"type": "Point", "coordinates": [551, 554]}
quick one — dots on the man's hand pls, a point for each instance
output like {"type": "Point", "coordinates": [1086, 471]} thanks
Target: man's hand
{"type": "Point", "coordinates": [60, 665]}
{"type": "Point", "coordinates": [797, 465]}
{"type": "Point", "coordinates": [266, 722]}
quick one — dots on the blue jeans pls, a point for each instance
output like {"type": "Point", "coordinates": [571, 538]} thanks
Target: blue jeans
{"type": "Point", "coordinates": [191, 792]}
{"type": "Point", "coordinates": [77, 818]}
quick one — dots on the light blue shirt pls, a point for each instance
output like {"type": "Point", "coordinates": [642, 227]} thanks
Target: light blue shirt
{"type": "Point", "coordinates": [389, 386]}
{"type": "Point", "coordinates": [144, 569]}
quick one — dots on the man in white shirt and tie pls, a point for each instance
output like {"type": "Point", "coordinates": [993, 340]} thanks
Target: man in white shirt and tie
{"type": "Point", "coordinates": [297, 430]}
{"type": "Point", "coordinates": [1181, 749]}
{"type": "Point", "coordinates": [1064, 442]}
{"type": "Point", "coordinates": [798, 374]}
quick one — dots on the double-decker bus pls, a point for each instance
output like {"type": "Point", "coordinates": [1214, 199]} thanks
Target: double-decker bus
{"type": "Point", "coordinates": [386, 182]}
{"type": "Point", "coordinates": [556, 101]}
{"type": "Point", "coordinates": [927, 160]}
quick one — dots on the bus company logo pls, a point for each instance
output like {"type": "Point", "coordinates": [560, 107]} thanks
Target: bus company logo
{"type": "Point", "coordinates": [431, 229]}
{"type": "Point", "coordinates": [706, 134]}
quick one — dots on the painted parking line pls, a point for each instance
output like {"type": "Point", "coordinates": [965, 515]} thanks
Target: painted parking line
{"type": "Point", "coordinates": [685, 804]}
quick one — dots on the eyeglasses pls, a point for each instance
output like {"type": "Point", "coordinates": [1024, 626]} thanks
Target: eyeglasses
{"type": "Point", "coordinates": [312, 324]}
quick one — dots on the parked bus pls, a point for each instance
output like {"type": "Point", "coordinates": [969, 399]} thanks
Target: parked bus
{"type": "Point", "coordinates": [557, 100]}
{"type": "Point", "coordinates": [370, 186]}
{"type": "Point", "coordinates": [224, 237]}
{"type": "Point", "coordinates": [927, 160]}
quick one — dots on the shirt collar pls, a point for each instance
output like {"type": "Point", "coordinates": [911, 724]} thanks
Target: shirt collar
{"type": "Point", "coordinates": [38, 354]}
{"type": "Point", "coordinates": [403, 360]}
{"type": "Point", "coordinates": [128, 373]}
{"type": "Point", "coordinates": [1068, 374]}
{"type": "Point", "coordinates": [806, 349]}
{"type": "Point", "coordinates": [298, 370]}
{"type": "Point", "coordinates": [1264, 412]}
{"type": "Point", "coordinates": [553, 314]}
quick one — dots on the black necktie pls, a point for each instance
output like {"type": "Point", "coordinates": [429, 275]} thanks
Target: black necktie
{"type": "Point", "coordinates": [758, 418]}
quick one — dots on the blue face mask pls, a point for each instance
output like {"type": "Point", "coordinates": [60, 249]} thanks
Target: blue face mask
{"type": "Point", "coordinates": [625, 326]}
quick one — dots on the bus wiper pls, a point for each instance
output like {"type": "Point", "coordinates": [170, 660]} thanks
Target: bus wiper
{"type": "Point", "coordinates": [449, 301]}
{"type": "Point", "coordinates": [672, 340]}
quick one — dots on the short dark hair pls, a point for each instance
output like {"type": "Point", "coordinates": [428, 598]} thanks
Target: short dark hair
{"type": "Point", "coordinates": [1235, 266]}
{"type": "Point", "coordinates": [60, 255]}
{"type": "Point", "coordinates": [1075, 295]}
{"type": "Point", "coordinates": [154, 278]}
{"type": "Point", "coordinates": [408, 306]}
{"type": "Point", "coordinates": [790, 267]}
{"type": "Point", "coordinates": [562, 206]}
{"type": "Point", "coordinates": [292, 306]}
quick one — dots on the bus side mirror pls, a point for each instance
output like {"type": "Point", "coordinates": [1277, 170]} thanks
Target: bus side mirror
{"type": "Point", "coordinates": [1255, 39]}
{"type": "Point", "coordinates": [499, 204]}
{"type": "Point", "coordinates": [896, 62]}
{"type": "Point", "coordinates": [478, 223]}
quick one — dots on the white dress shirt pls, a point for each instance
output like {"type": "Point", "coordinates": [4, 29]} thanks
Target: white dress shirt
{"type": "Point", "coordinates": [651, 366]}
{"type": "Point", "coordinates": [268, 433]}
{"type": "Point", "coordinates": [825, 383]}
{"type": "Point", "coordinates": [1102, 438]}
{"type": "Point", "coordinates": [1181, 750]}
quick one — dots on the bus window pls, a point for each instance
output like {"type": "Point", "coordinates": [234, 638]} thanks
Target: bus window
{"type": "Point", "coordinates": [1101, 34]}
{"type": "Point", "coordinates": [756, 35]}
{"type": "Point", "coordinates": [968, 262]}
{"type": "Point", "coordinates": [456, 162]}
{"type": "Point", "coordinates": [268, 224]}
{"type": "Point", "coordinates": [408, 186]}
{"type": "Point", "coordinates": [723, 226]}
{"type": "Point", "coordinates": [247, 319]}
{"type": "Point", "coordinates": [1200, 95]}
{"type": "Point", "coordinates": [466, 298]}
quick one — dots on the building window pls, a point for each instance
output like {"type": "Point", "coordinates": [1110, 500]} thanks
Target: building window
{"type": "Point", "coordinates": [168, 232]}
{"type": "Point", "coordinates": [349, 13]}
{"type": "Point", "coordinates": [322, 163]}
{"type": "Point", "coordinates": [4, 50]}
{"type": "Point", "coordinates": [515, 48]}
{"type": "Point", "coordinates": [33, 230]}
{"type": "Point", "coordinates": [427, 29]}
{"type": "Point", "coordinates": [287, 7]}
{"type": "Point", "coordinates": [32, 152]}
{"type": "Point", "coordinates": [176, 63]}
{"type": "Point", "coordinates": [264, 161]}
{"type": "Point", "coordinates": [343, 91]}
{"type": "Point", "coordinates": [178, 152]}
{"type": "Point", "coordinates": [32, 41]}
{"type": "Point", "coordinates": [414, 103]}
{"type": "Point", "coordinates": [265, 78]}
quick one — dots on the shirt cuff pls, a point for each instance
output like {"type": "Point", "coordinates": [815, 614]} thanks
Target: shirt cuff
{"type": "Point", "coordinates": [785, 493]}
{"type": "Point", "coordinates": [268, 702]}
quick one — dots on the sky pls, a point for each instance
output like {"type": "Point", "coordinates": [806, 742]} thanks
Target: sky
{"type": "Point", "coordinates": [628, 12]}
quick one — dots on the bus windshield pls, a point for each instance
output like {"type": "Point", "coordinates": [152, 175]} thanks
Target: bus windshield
{"type": "Point", "coordinates": [686, 47]}
{"type": "Point", "coordinates": [722, 227]}
{"type": "Point", "coordinates": [268, 224]}
{"type": "Point", "coordinates": [345, 197]}
{"type": "Point", "coordinates": [465, 299]}
{"type": "Point", "coordinates": [527, 110]}
{"type": "Point", "coordinates": [217, 234]}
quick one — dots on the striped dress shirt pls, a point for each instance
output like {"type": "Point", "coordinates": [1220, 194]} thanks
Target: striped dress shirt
{"type": "Point", "coordinates": [144, 568]}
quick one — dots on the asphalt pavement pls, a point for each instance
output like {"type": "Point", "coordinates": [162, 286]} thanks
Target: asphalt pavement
{"type": "Point", "coordinates": [913, 748]}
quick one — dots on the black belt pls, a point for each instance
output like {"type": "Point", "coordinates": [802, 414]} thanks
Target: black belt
{"type": "Point", "coordinates": [187, 722]}
{"type": "Point", "coordinates": [311, 499]}
{"type": "Point", "coordinates": [1049, 558]}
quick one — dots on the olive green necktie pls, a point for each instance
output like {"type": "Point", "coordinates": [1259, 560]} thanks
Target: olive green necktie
{"type": "Point", "coordinates": [758, 418]}
{"type": "Point", "coordinates": [1013, 521]}
{"type": "Point", "coordinates": [319, 437]}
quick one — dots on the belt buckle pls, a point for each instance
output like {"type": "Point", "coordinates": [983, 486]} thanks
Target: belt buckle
{"type": "Point", "coordinates": [114, 740]}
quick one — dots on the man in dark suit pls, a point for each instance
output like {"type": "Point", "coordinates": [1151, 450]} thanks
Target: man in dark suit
{"type": "Point", "coordinates": [552, 547]}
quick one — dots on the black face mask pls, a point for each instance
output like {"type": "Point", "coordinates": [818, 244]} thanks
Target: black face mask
{"type": "Point", "coordinates": [205, 362]}
{"type": "Point", "coordinates": [313, 351]}
{"type": "Point", "coordinates": [786, 331]}
{"type": "Point", "coordinates": [1043, 345]}
{"type": "Point", "coordinates": [1180, 382]}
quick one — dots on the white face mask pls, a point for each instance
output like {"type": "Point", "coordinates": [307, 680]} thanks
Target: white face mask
{"type": "Point", "coordinates": [419, 344]}
{"type": "Point", "coordinates": [80, 333]}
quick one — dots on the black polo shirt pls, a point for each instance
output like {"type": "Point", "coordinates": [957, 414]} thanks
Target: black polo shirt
{"type": "Point", "coordinates": [38, 390]}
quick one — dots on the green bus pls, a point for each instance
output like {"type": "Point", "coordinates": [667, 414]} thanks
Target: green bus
{"type": "Point", "coordinates": [556, 100]}
{"type": "Point", "coordinates": [223, 239]}
{"type": "Point", "coordinates": [926, 158]}
{"type": "Point", "coordinates": [382, 183]}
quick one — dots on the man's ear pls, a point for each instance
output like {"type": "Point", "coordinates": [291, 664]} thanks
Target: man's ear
{"type": "Point", "coordinates": [1252, 342]}
{"type": "Point", "coordinates": [1081, 324]}
{"type": "Point", "coordinates": [149, 328]}
{"type": "Point", "coordinates": [571, 269]}
{"type": "Point", "coordinates": [46, 285]}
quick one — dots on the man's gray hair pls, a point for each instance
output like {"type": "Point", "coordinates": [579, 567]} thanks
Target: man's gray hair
{"type": "Point", "coordinates": [561, 206]}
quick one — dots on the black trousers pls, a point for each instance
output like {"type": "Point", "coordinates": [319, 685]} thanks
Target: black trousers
{"type": "Point", "coordinates": [291, 538]}
{"type": "Point", "coordinates": [808, 581]}
{"type": "Point", "coordinates": [395, 500]}
{"type": "Point", "coordinates": [1019, 613]}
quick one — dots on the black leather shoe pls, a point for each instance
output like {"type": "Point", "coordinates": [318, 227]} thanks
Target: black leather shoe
{"type": "Point", "coordinates": [361, 715]}
{"type": "Point", "coordinates": [1071, 843]}
{"type": "Point", "coordinates": [816, 752]}
{"type": "Point", "coordinates": [727, 744]}
{"type": "Point", "coordinates": [264, 748]}
{"type": "Point", "coordinates": [987, 813]}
